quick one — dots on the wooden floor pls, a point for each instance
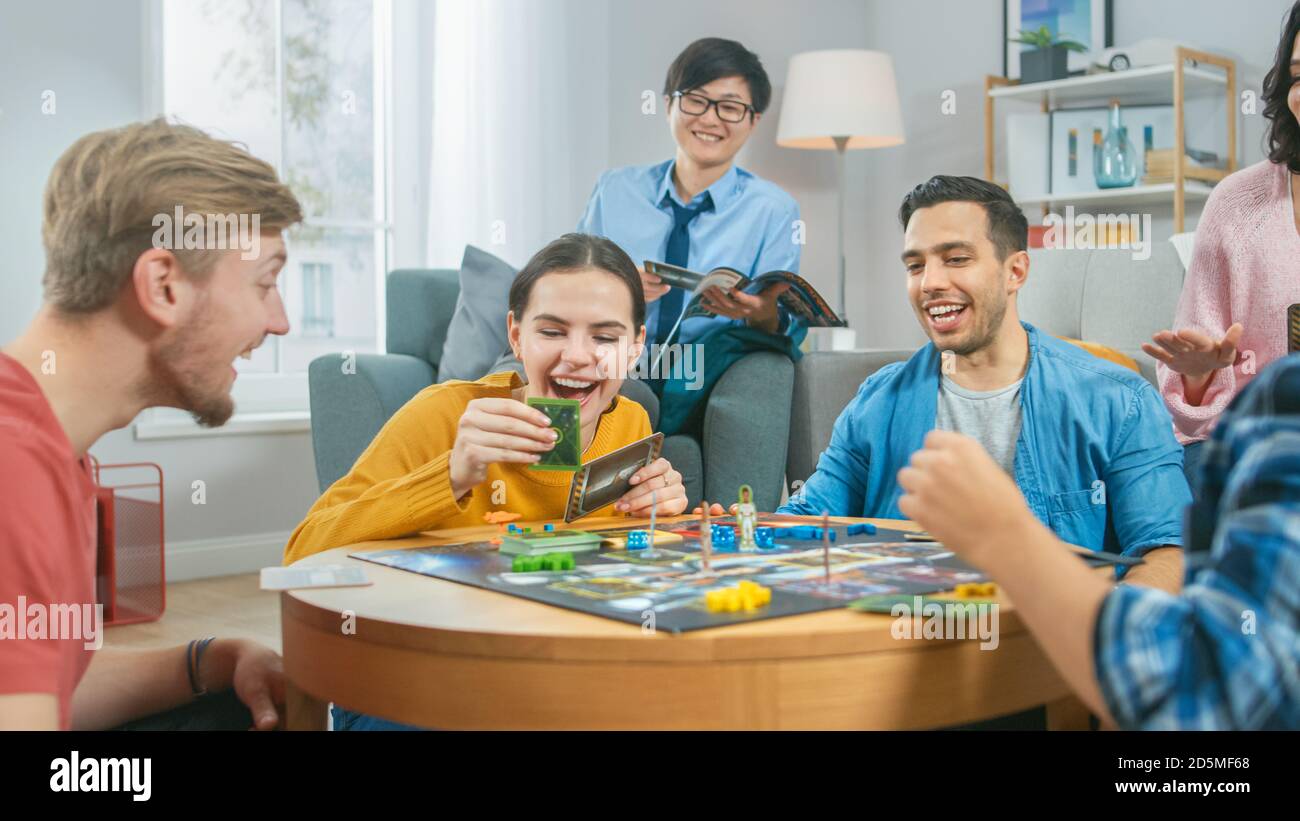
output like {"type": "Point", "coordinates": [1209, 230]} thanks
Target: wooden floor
{"type": "Point", "coordinates": [226, 607]}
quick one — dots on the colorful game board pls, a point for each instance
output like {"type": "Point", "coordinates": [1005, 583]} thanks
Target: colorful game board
{"type": "Point", "coordinates": [666, 588]}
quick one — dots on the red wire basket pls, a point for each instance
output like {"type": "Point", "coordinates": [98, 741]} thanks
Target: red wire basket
{"type": "Point", "coordinates": [130, 577]}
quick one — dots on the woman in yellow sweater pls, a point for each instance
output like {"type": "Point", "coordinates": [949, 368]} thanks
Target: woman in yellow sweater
{"type": "Point", "coordinates": [458, 450]}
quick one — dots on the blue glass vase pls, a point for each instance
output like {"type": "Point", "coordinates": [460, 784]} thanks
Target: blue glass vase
{"type": "Point", "coordinates": [1115, 164]}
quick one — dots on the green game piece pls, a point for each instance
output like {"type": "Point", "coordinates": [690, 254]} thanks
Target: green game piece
{"type": "Point", "coordinates": [557, 561]}
{"type": "Point", "coordinates": [526, 564]}
{"type": "Point", "coordinates": [566, 420]}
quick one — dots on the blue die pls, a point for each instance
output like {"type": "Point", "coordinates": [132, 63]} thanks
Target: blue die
{"type": "Point", "coordinates": [723, 535]}
{"type": "Point", "coordinates": [764, 537]}
{"type": "Point", "coordinates": [638, 539]}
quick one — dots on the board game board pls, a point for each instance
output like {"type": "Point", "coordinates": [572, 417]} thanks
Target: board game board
{"type": "Point", "coordinates": [667, 588]}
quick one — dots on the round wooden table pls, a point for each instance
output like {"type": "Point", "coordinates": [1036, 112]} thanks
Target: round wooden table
{"type": "Point", "coordinates": [435, 653]}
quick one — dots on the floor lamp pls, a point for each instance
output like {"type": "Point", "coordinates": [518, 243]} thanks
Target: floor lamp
{"type": "Point", "coordinates": [840, 99]}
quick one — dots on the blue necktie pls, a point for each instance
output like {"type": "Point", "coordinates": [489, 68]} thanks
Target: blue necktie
{"type": "Point", "coordinates": [679, 252]}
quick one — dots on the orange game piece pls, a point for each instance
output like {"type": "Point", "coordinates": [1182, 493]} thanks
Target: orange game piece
{"type": "Point", "coordinates": [500, 517]}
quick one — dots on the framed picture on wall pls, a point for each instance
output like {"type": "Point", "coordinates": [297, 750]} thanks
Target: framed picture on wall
{"type": "Point", "coordinates": [1087, 21]}
{"type": "Point", "coordinates": [1078, 132]}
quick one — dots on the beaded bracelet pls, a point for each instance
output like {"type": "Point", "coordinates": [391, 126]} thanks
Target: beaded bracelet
{"type": "Point", "coordinates": [194, 653]}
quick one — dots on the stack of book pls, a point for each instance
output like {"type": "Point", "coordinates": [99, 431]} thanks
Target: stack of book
{"type": "Point", "coordinates": [1160, 168]}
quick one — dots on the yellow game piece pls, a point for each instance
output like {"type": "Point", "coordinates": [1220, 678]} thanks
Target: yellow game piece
{"type": "Point", "coordinates": [745, 596]}
{"type": "Point", "coordinates": [716, 600]}
{"type": "Point", "coordinates": [976, 590]}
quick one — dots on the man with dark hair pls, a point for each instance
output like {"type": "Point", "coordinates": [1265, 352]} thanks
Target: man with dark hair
{"type": "Point", "coordinates": [1089, 443]}
{"type": "Point", "coordinates": [699, 210]}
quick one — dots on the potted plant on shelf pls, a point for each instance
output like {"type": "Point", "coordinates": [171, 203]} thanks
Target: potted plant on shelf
{"type": "Point", "coordinates": [1049, 58]}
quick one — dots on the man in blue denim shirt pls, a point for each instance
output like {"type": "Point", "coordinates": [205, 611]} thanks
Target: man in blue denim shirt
{"type": "Point", "coordinates": [1089, 443]}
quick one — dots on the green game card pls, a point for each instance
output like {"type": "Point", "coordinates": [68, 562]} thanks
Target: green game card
{"type": "Point", "coordinates": [566, 420]}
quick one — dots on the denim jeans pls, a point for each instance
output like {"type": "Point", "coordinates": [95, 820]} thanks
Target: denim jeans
{"type": "Point", "coordinates": [345, 720]}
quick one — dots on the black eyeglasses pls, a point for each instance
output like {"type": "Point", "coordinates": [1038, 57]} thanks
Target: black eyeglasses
{"type": "Point", "coordinates": [729, 111]}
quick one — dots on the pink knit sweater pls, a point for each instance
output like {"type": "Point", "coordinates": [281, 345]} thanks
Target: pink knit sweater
{"type": "Point", "coordinates": [1245, 268]}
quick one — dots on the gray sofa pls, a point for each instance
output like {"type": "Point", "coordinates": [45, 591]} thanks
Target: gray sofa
{"type": "Point", "coordinates": [1098, 296]}
{"type": "Point", "coordinates": [746, 423]}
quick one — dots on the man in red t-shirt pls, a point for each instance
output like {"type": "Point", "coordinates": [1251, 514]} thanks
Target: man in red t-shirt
{"type": "Point", "coordinates": [139, 311]}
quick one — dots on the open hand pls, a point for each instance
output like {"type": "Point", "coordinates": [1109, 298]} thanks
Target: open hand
{"type": "Point", "coordinates": [1192, 353]}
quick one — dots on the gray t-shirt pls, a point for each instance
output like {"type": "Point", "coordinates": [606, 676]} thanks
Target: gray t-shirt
{"type": "Point", "coordinates": [991, 417]}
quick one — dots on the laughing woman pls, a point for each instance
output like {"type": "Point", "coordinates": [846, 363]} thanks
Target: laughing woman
{"type": "Point", "coordinates": [442, 459]}
{"type": "Point", "coordinates": [1245, 271]}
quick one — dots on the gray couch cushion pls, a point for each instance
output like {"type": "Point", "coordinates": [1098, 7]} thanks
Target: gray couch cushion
{"type": "Point", "coordinates": [1052, 297]}
{"type": "Point", "coordinates": [824, 384]}
{"type": "Point", "coordinates": [747, 429]}
{"type": "Point", "coordinates": [350, 405]}
{"type": "Point", "coordinates": [1104, 296]}
{"type": "Point", "coordinates": [683, 453]}
{"type": "Point", "coordinates": [420, 303]}
{"type": "Point", "coordinates": [1126, 301]}
{"type": "Point", "coordinates": [476, 338]}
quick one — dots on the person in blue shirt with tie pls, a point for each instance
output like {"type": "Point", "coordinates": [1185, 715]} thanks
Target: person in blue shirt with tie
{"type": "Point", "coordinates": [699, 210]}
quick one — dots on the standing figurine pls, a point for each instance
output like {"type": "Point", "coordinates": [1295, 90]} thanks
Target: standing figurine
{"type": "Point", "coordinates": [706, 537]}
{"type": "Point", "coordinates": [747, 518]}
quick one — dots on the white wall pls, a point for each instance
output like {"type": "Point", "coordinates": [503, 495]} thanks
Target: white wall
{"type": "Point", "coordinates": [90, 54]}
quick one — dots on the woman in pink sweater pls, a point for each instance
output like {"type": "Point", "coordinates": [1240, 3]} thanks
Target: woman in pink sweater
{"type": "Point", "coordinates": [1245, 271]}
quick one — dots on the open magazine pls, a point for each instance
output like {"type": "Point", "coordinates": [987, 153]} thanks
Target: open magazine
{"type": "Point", "coordinates": [801, 300]}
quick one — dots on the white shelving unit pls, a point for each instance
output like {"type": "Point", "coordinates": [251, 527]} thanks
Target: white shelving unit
{"type": "Point", "coordinates": [1136, 194]}
{"type": "Point", "coordinates": [1171, 83]}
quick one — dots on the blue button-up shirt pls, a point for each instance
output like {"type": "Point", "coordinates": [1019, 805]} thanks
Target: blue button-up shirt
{"type": "Point", "coordinates": [751, 228]}
{"type": "Point", "coordinates": [1096, 460]}
{"type": "Point", "coordinates": [1225, 652]}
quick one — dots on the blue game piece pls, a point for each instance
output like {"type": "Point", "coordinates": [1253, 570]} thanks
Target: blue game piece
{"type": "Point", "coordinates": [638, 539]}
{"type": "Point", "coordinates": [549, 528]}
{"type": "Point", "coordinates": [723, 535]}
{"type": "Point", "coordinates": [763, 537]}
{"type": "Point", "coordinates": [807, 532]}
{"type": "Point", "coordinates": [860, 528]}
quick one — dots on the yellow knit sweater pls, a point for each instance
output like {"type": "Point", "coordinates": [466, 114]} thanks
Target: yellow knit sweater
{"type": "Point", "coordinates": [401, 484]}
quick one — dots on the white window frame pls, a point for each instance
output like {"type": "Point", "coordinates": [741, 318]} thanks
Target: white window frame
{"type": "Point", "coordinates": [278, 402]}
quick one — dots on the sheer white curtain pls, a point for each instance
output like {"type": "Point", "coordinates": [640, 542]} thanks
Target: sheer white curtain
{"type": "Point", "coordinates": [520, 123]}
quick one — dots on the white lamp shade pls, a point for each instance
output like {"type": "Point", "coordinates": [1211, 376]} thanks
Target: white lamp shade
{"type": "Point", "coordinates": [840, 93]}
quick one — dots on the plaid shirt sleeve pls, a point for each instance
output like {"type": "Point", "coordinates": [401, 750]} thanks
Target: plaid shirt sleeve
{"type": "Point", "coordinates": [1225, 653]}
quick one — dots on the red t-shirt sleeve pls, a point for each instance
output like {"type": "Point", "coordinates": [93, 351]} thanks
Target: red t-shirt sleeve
{"type": "Point", "coordinates": [38, 527]}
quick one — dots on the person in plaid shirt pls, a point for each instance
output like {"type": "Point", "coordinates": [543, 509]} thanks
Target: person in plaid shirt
{"type": "Point", "coordinates": [1224, 653]}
